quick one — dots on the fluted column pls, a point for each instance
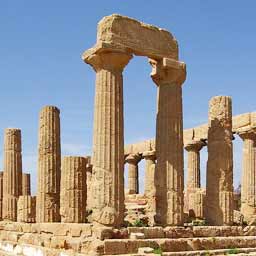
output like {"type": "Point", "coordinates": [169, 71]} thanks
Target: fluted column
{"type": "Point", "coordinates": [133, 173]}
{"type": "Point", "coordinates": [150, 185]}
{"type": "Point", "coordinates": [12, 181]}
{"type": "Point", "coordinates": [26, 190]}
{"type": "Point", "coordinates": [169, 76]}
{"type": "Point", "coordinates": [219, 182]}
{"type": "Point", "coordinates": [193, 169]}
{"type": "Point", "coordinates": [73, 189]}
{"type": "Point", "coordinates": [26, 211]}
{"type": "Point", "coordinates": [150, 159]}
{"type": "Point", "coordinates": [1, 194]}
{"type": "Point", "coordinates": [108, 137]}
{"type": "Point", "coordinates": [248, 186]}
{"type": "Point", "coordinates": [49, 162]}
{"type": "Point", "coordinates": [193, 178]}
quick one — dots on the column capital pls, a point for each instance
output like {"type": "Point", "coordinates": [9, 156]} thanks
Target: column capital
{"type": "Point", "coordinates": [133, 158]}
{"type": "Point", "coordinates": [168, 71]}
{"type": "Point", "coordinates": [194, 145]}
{"type": "Point", "coordinates": [108, 59]}
{"type": "Point", "coordinates": [247, 133]}
{"type": "Point", "coordinates": [149, 155]}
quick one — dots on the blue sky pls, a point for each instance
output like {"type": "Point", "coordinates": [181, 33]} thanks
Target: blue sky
{"type": "Point", "coordinates": [41, 46]}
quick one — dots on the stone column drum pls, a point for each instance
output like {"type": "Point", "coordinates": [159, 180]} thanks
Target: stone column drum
{"type": "Point", "coordinates": [108, 137]}
{"type": "Point", "coordinates": [26, 190]}
{"type": "Point", "coordinates": [133, 173]}
{"type": "Point", "coordinates": [12, 180]}
{"type": "Point", "coordinates": [169, 76]}
{"type": "Point", "coordinates": [73, 189]}
{"type": "Point", "coordinates": [150, 185]}
{"type": "Point", "coordinates": [248, 186]}
{"type": "Point", "coordinates": [89, 193]}
{"type": "Point", "coordinates": [1, 194]}
{"type": "Point", "coordinates": [219, 182]}
{"type": "Point", "coordinates": [26, 209]}
{"type": "Point", "coordinates": [49, 163]}
{"type": "Point", "coordinates": [193, 175]}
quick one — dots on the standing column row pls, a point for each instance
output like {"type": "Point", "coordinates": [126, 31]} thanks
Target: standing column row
{"type": "Point", "coordinates": [169, 76]}
{"type": "Point", "coordinates": [49, 163]}
{"type": "Point", "coordinates": [12, 179]}
{"type": "Point", "coordinates": [133, 173]}
{"type": "Point", "coordinates": [108, 136]}
{"type": "Point", "coordinates": [194, 195]}
{"type": "Point", "coordinates": [248, 185]}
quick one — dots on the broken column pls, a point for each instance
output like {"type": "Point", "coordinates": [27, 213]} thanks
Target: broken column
{"type": "Point", "coordinates": [26, 191]}
{"type": "Point", "coordinates": [108, 136]}
{"type": "Point", "coordinates": [1, 194]}
{"type": "Point", "coordinates": [49, 162]}
{"type": "Point", "coordinates": [193, 148]}
{"type": "Point", "coordinates": [169, 75]}
{"type": "Point", "coordinates": [73, 189]}
{"type": "Point", "coordinates": [150, 185]}
{"type": "Point", "coordinates": [248, 186]}
{"type": "Point", "coordinates": [26, 209]}
{"type": "Point", "coordinates": [133, 173]}
{"type": "Point", "coordinates": [12, 179]}
{"type": "Point", "coordinates": [219, 183]}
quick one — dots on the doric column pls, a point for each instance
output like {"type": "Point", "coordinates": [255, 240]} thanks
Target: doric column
{"type": "Point", "coordinates": [73, 189]}
{"type": "Point", "coordinates": [49, 161]}
{"type": "Point", "coordinates": [133, 173]}
{"type": "Point", "coordinates": [248, 186]}
{"type": "Point", "coordinates": [150, 162]}
{"type": "Point", "coordinates": [169, 76]}
{"type": "Point", "coordinates": [191, 202]}
{"type": "Point", "coordinates": [193, 169]}
{"type": "Point", "coordinates": [26, 209]}
{"type": "Point", "coordinates": [12, 184]}
{"type": "Point", "coordinates": [219, 183]}
{"type": "Point", "coordinates": [26, 191]}
{"type": "Point", "coordinates": [108, 137]}
{"type": "Point", "coordinates": [1, 194]}
{"type": "Point", "coordinates": [196, 203]}
{"type": "Point", "coordinates": [150, 185]}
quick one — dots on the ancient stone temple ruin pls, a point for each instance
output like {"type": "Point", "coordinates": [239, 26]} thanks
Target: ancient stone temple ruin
{"type": "Point", "coordinates": [82, 207]}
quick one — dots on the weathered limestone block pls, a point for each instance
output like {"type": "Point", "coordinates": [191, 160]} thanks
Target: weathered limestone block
{"type": "Point", "coordinates": [1, 194]}
{"type": "Point", "coordinates": [26, 209]}
{"type": "Point", "coordinates": [12, 178]}
{"type": "Point", "coordinates": [116, 32]}
{"type": "Point", "coordinates": [196, 203]}
{"type": "Point", "coordinates": [73, 189]}
{"type": "Point", "coordinates": [108, 137]}
{"type": "Point", "coordinates": [169, 76]}
{"type": "Point", "coordinates": [26, 191]}
{"type": "Point", "coordinates": [248, 186]}
{"type": "Point", "coordinates": [219, 183]}
{"type": "Point", "coordinates": [49, 161]}
{"type": "Point", "coordinates": [133, 173]}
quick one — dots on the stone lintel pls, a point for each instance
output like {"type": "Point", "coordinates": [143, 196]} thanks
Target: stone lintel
{"type": "Point", "coordinates": [124, 33]}
{"type": "Point", "coordinates": [149, 154]}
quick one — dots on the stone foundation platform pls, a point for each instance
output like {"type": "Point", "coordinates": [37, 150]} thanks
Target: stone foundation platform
{"type": "Point", "coordinates": [65, 239]}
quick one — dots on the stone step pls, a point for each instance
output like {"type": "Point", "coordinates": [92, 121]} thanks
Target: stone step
{"type": "Point", "coordinates": [130, 246]}
{"type": "Point", "coordinates": [218, 252]}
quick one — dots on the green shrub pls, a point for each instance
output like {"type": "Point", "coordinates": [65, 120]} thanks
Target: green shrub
{"type": "Point", "coordinates": [158, 251]}
{"type": "Point", "coordinates": [233, 251]}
